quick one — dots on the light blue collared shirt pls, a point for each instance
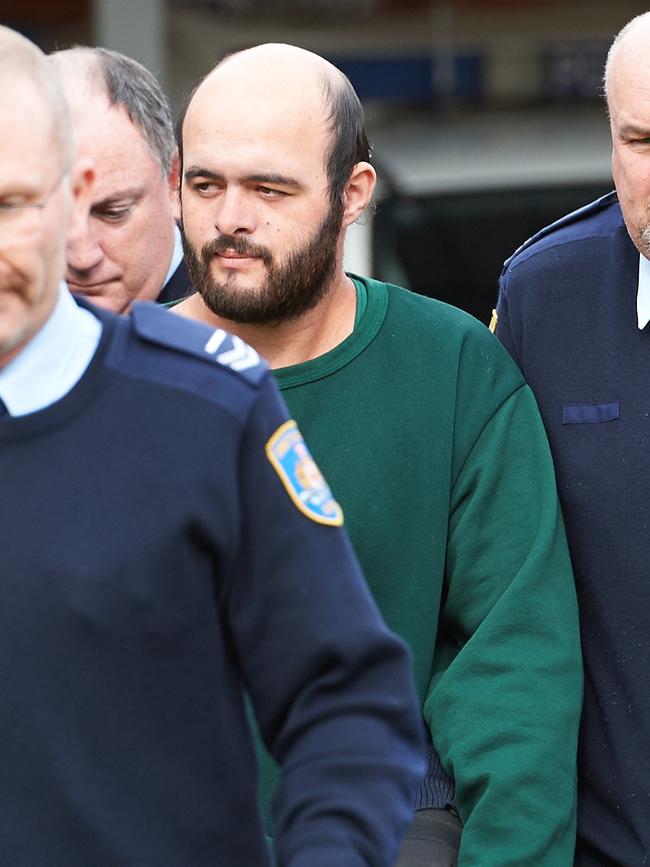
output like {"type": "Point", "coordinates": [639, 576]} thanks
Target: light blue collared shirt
{"type": "Point", "coordinates": [53, 361]}
{"type": "Point", "coordinates": [643, 293]}
{"type": "Point", "coordinates": [177, 255]}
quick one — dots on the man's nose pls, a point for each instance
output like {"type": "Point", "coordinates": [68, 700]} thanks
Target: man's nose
{"type": "Point", "coordinates": [234, 214]}
{"type": "Point", "coordinates": [83, 251]}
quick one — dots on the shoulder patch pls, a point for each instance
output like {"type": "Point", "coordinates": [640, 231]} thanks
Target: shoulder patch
{"type": "Point", "coordinates": [298, 472]}
{"type": "Point", "coordinates": [156, 325]}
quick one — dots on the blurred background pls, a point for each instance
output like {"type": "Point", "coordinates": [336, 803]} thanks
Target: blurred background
{"type": "Point", "coordinates": [486, 116]}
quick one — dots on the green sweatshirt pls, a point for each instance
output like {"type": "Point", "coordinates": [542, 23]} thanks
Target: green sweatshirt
{"type": "Point", "coordinates": [433, 445]}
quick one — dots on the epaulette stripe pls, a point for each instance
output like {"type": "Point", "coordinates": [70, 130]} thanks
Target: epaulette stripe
{"type": "Point", "coordinates": [156, 325]}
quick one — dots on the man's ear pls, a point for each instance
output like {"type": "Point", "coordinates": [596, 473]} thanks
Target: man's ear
{"type": "Point", "coordinates": [82, 179]}
{"type": "Point", "coordinates": [174, 184]}
{"type": "Point", "coordinates": [358, 191]}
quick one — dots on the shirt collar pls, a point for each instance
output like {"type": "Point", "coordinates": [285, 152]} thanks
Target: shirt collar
{"type": "Point", "coordinates": [177, 255]}
{"type": "Point", "coordinates": [54, 360]}
{"type": "Point", "coordinates": [643, 292]}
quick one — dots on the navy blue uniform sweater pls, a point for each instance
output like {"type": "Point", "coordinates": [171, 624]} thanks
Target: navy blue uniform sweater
{"type": "Point", "coordinates": [567, 313]}
{"type": "Point", "coordinates": [152, 564]}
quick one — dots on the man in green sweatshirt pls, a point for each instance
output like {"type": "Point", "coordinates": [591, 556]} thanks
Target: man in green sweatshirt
{"type": "Point", "coordinates": [428, 436]}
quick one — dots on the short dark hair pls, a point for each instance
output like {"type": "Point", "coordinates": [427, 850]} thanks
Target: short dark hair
{"type": "Point", "coordinates": [349, 142]}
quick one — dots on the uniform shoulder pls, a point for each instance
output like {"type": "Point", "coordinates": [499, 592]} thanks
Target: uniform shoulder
{"type": "Point", "coordinates": [600, 218]}
{"type": "Point", "coordinates": [169, 350]}
{"type": "Point", "coordinates": [188, 338]}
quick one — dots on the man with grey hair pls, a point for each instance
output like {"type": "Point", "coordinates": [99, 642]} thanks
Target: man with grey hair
{"type": "Point", "coordinates": [121, 119]}
{"type": "Point", "coordinates": [573, 310]}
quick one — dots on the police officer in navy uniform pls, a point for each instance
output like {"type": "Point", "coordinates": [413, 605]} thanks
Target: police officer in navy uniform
{"type": "Point", "coordinates": [573, 310]}
{"type": "Point", "coordinates": [168, 545]}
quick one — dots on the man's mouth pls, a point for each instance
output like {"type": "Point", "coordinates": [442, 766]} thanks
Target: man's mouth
{"type": "Point", "coordinates": [229, 253]}
{"type": "Point", "coordinates": [88, 288]}
{"type": "Point", "coordinates": [233, 259]}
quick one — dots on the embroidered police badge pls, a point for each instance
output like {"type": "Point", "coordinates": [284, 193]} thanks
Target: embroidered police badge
{"type": "Point", "coordinates": [290, 458]}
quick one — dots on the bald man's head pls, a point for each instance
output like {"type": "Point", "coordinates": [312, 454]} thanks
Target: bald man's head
{"type": "Point", "coordinates": [631, 40]}
{"type": "Point", "coordinates": [21, 61]}
{"type": "Point", "coordinates": [44, 192]}
{"type": "Point", "coordinates": [294, 78]}
{"type": "Point", "coordinates": [628, 102]}
{"type": "Point", "coordinates": [274, 171]}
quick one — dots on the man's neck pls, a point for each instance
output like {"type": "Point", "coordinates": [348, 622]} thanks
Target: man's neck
{"type": "Point", "coordinates": [42, 315]}
{"type": "Point", "coordinates": [282, 344]}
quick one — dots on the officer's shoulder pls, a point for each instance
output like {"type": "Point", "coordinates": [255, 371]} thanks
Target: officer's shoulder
{"type": "Point", "coordinates": [183, 345]}
{"type": "Point", "coordinates": [197, 341]}
{"type": "Point", "coordinates": [598, 219]}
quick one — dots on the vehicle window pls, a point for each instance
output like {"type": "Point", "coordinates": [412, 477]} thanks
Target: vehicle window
{"type": "Point", "coordinates": [452, 246]}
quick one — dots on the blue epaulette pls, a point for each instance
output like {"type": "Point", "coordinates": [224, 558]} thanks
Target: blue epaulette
{"type": "Point", "coordinates": [567, 220]}
{"type": "Point", "coordinates": [154, 324]}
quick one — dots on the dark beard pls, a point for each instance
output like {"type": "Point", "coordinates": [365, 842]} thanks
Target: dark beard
{"type": "Point", "coordinates": [290, 289]}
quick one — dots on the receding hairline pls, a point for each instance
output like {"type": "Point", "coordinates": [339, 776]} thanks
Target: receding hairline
{"type": "Point", "coordinates": [617, 45]}
{"type": "Point", "coordinates": [342, 113]}
{"type": "Point", "coordinates": [24, 60]}
{"type": "Point", "coordinates": [78, 65]}
{"type": "Point", "coordinates": [328, 79]}
{"type": "Point", "coordinates": [98, 73]}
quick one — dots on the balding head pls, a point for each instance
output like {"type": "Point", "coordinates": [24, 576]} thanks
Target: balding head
{"type": "Point", "coordinates": [43, 191]}
{"type": "Point", "coordinates": [628, 101]}
{"type": "Point", "coordinates": [629, 48]}
{"type": "Point", "coordinates": [293, 82]}
{"type": "Point", "coordinates": [95, 79]}
{"type": "Point", "coordinates": [274, 170]}
{"type": "Point", "coordinates": [22, 62]}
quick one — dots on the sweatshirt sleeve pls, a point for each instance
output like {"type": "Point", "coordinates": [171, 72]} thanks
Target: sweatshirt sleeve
{"type": "Point", "coordinates": [505, 697]}
{"type": "Point", "coordinates": [330, 684]}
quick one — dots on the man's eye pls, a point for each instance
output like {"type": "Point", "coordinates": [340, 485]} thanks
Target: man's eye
{"type": "Point", "coordinates": [270, 193]}
{"type": "Point", "coordinates": [113, 215]}
{"type": "Point", "coordinates": [8, 203]}
{"type": "Point", "coordinates": [204, 187]}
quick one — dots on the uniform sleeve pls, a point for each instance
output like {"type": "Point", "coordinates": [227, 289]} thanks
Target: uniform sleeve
{"type": "Point", "coordinates": [505, 698]}
{"type": "Point", "coordinates": [505, 329]}
{"type": "Point", "coordinates": [331, 686]}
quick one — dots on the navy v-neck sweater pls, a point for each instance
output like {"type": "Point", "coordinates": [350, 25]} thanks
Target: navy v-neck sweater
{"type": "Point", "coordinates": [152, 564]}
{"type": "Point", "coordinates": [567, 313]}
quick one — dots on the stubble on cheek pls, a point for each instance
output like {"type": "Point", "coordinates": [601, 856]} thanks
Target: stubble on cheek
{"type": "Point", "coordinates": [643, 240]}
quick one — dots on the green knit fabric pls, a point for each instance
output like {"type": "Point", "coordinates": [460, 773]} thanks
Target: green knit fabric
{"type": "Point", "coordinates": [434, 447]}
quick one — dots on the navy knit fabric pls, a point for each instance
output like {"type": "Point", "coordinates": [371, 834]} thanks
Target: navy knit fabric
{"type": "Point", "coordinates": [151, 562]}
{"type": "Point", "coordinates": [437, 789]}
{"type": "Point", "coordinates": [567, 313]}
